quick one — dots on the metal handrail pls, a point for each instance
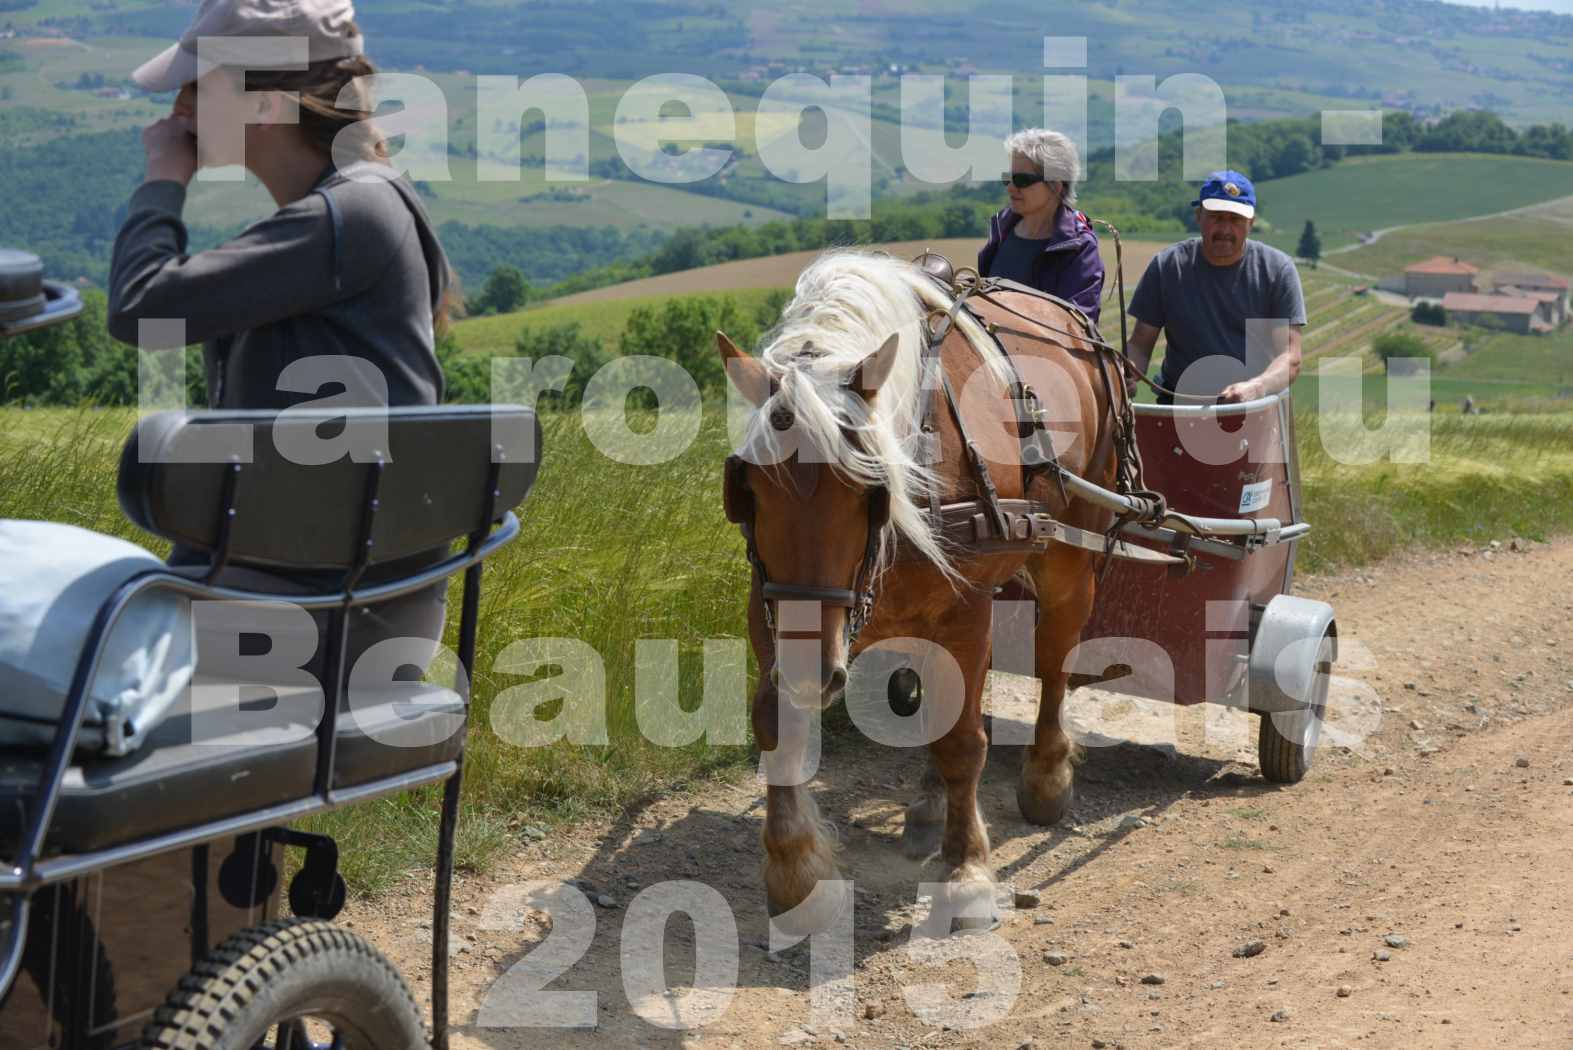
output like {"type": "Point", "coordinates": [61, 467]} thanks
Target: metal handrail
{"type": "Point", "coordinates": [1214, 411]}
{"type": "Point", "coordinates": [70, 866]}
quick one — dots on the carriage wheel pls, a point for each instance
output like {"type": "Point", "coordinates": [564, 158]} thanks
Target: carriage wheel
{"type": "Point", "coordinates": [291, 984]}
{"type": "Point", "coordinates": [1286, 741]}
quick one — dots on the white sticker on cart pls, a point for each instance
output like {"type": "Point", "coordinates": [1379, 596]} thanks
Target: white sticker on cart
{"type": "Point", "coordinates": [1255, 497]}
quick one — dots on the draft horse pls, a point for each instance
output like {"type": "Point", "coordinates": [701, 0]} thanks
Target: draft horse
{"type": "Point", "coordinates": [898, 469]}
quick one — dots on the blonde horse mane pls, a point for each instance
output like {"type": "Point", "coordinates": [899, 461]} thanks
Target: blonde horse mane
{"type": "Point", "coordinates": [847, 303]}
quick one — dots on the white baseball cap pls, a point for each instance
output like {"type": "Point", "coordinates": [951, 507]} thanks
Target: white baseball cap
{"type": "Point", "coordinates": [327, 26]}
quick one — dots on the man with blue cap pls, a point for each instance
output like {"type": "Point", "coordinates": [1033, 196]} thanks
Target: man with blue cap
{"type": "Point", "coordinates": [1231, 308]}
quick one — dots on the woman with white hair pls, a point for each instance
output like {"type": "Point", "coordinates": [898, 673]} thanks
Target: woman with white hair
{"type": "Point", "coordinates": [1040, 239]}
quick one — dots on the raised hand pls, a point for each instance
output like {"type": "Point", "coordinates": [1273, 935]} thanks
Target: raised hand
{"type": "Point", "coordinates": [171, 148]}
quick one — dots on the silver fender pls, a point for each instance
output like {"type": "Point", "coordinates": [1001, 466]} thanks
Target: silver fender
{"type": "Point", "coordinates": [1283, 652]}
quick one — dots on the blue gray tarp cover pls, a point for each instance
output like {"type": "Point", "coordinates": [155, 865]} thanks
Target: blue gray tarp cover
{"type": "Point", "coordinates": [53, 579]}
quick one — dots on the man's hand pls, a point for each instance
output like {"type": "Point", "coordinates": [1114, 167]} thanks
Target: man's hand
{"type": "Point", "coordinates": [1250, 390]}
{"type": "Point", "coordinates": [171, 149]}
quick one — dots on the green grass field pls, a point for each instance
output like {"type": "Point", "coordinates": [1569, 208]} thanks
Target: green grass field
{"type": "Point", "coordinates": [1370, 193]}
{"type": "Point", "coordinates": [1286, 53]}
{"type": "Point", "coordinates": [595, 566]}
{"type": "Point", "coordinates": [1536, 238]}
{"type": "Point", "coordinates": [599, 320]}
{"type": "Point", "coordinates": [48, 64]}
{"type": "Point", "coordinates": [664, 566]}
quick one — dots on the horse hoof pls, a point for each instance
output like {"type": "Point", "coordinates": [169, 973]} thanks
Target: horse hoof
{"type": "Point", "coordinates": [815, 914]}
{"type": "Point", "coordinates": [1044, 812]}
{"type": "Point", "coordinates": [965, 905]}
{"type": "Point", "coordinates": [961, 925]}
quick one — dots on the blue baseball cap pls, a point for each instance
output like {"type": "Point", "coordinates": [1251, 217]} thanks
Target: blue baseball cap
{"type": "Point", "coordinates": [1228, 191]}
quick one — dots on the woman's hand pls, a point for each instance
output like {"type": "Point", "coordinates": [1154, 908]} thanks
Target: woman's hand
{"type": "Point", "coordinates": [171, 148]}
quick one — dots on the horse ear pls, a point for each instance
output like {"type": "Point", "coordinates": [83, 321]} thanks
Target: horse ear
{"type": "Point", "coordinates": [746, 373]}
{"type": "Point", "coordinates": [873, 370]}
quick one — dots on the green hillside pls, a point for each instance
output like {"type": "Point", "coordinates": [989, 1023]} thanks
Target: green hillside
{"type": "Point", "coordinates": [1536, 238]}
{"type": "Point", "coordinates": [604, 321]}
{"type": "Point", "coordinates": [1434, 55]}
{"type": "Point", "coordinates": [1370, 193]}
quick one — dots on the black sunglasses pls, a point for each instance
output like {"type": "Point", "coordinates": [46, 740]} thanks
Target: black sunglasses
{"type": "Point", "coordinates": [1021, 179]}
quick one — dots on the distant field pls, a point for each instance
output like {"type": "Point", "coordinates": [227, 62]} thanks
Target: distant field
{"type": "Point", "coordinates": [1537, 237]}
{"type": "Point", "coordinates": [51, 62]}
{"type": "Point", "coordinates": [1364, 194]}
{"type": "Point", "coordinates": [603, 320]}
{"type": "Point", "coordinates": [599, 202]}
{"type": "Point", "coordinates": [1529, 358]}
{"type": "Point", "coordinates": [772, 271]}
{"type": "Point", "coordinates": [604, 312]}
{"type": "Point", "coordinates": [463, 197]}
{"type": "Point", "coordinates": [780, 271]}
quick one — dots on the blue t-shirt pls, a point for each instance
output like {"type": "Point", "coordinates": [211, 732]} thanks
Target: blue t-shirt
{"type": "Point", "coordinates": [1217, 311]}
{"type": "Point", "coordinates": [1016, 256]}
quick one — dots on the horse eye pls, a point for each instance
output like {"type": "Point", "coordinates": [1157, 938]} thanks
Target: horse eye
{"type": "Point", "coordinates": [781, 418]}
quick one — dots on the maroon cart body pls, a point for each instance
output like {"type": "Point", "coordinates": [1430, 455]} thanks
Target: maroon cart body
{"type": "Point", "coordinates": [1220, 628]}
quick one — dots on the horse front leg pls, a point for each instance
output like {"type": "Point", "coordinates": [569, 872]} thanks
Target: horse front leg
{"type": "Point", "coordinates": [802, 882]}
{"type": "Point", "coordinates": [1065, 592]}
{"type": "Point", "coordinates": [958, 758]}
{"type": "Point", "coordinates": [799, 846]}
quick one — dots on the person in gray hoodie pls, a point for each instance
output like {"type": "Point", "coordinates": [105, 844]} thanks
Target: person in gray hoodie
{"type": "Point", "coordinates": [348, 271]}
{"type": "Point", "coordinates": [339, 294]}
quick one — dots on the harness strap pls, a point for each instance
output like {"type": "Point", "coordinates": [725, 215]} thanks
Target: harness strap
{"type": "Point", "coordinates": [841, 596]}
{"type": "Point", "coordinates": [980, 469]}
{"type": "Point", "coordinates": [1030, 526]}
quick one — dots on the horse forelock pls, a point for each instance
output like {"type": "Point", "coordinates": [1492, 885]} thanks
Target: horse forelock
{"type": "Point", "coordinates": [846, 304]}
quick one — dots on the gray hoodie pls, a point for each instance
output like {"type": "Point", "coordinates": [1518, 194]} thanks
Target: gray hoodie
{"type": "Point", "coordinates": [353, 270]}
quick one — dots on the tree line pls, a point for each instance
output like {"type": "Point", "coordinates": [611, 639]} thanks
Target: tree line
{"type": "Point", "coordinates": [681, 330]}
{"type": "Point", "coordinates": [78, 363]}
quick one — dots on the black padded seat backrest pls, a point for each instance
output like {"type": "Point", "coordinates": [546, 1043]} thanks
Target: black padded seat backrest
{"type": "Point", "coordinates": [304, 478]}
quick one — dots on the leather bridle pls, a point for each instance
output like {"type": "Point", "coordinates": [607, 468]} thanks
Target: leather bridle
{"type": "Point", "coordinates": [986, 523]}
{"type": "Point", "coordinates": [859, 599]}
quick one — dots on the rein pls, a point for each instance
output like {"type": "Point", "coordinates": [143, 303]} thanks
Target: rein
{"type": "Point", "coordinates": [987, 524]}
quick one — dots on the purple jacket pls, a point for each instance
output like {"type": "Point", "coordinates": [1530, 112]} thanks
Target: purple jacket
{"type": "Point", "coordinates": [1070, 266]}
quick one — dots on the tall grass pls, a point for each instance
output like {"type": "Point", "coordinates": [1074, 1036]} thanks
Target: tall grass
{"type": "Point", "coordinates": [1483, 478]}
{"type": "Point", "coordinates": [612, 554]}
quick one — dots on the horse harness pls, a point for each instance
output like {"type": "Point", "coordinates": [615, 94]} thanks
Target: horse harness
{"type": "Point", "coordinates": [859, 599]}
{"type": "Point", "coordinates": [988, 524]}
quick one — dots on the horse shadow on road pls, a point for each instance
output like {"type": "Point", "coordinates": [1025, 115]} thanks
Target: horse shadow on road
{"type": "Point", "coordinates": [863, 789]}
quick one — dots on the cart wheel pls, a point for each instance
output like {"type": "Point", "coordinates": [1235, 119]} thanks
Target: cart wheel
{"type": "Point", "coordinates": [285, 985]}
{"type": "Point", "coordinates": [1286, 741]}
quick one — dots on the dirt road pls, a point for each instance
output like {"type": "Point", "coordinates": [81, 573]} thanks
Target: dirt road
{"type": "Point", "coordinates": [1416, 890]}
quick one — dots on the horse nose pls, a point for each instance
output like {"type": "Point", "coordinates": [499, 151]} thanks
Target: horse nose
{"type": "Point", "coordinates": [797, 686]}
{"type": "Point", "coordinates": [835, 683]}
